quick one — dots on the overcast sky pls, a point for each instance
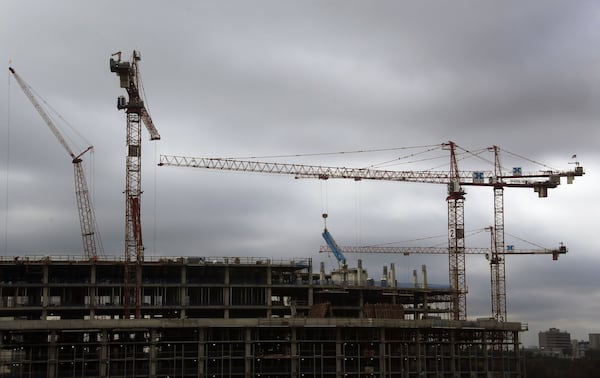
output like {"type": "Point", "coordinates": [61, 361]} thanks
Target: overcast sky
{"type": "Point", "coordinates": [268, 78]}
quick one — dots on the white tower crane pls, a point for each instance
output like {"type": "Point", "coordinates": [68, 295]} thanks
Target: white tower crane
{"type": "Point", "coordinates": [91, 243]}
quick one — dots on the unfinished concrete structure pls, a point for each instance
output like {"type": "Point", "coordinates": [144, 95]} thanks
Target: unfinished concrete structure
{"type": "Point", "coordinates": [237, 317]}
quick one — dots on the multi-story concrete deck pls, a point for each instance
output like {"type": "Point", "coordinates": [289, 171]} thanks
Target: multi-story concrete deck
{"type": "Point", "coordinates": [242, 317]}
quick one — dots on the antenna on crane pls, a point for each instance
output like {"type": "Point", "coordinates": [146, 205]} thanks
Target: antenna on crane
{"type": "Point", "coordinates": [87, 220]}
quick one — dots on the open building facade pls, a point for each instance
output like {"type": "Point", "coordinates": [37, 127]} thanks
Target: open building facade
{"type": "Point", "coordinates": [237, 317]}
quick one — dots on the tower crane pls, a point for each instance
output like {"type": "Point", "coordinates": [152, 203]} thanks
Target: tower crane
{"type": "Point", "coordinates": [455, 179]}
{"type": "Point", "coordinates": [561, 250]}
{"type": "Point", "coordinates": [129, 77]}
{"type": "Point", "coordinates": [87, 221]}
{"type": "Point", "coordinates": [495, 256]}
{"type": "Point", "coordinates": [497, 261]}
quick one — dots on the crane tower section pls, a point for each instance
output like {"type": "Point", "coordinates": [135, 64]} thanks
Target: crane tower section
{"type": "Point", "coordinates": [456, 238]}
{"type": "Point", "coordinates": [137, 113]}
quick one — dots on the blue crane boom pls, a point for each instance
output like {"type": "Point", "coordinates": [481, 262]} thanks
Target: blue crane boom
{"type": "Point", "coordinates": [337, 251]}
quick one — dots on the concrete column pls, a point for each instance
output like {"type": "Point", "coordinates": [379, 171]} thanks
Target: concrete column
{"type": "Point", "coordinates": [385, 276]}
{"type": "Point", "coordinates": [339, 354]}
{"type": "Point", "coordinates": [52, 355]}
{"type": "Point", "coordinates": [104, 354]}
{"type": "Point", "coordinates": [138, 294]}
{"type": "Point", "coordinates": [226, 290]}
{"type": "Point", "coordinates": [486, 353]}
{"type": "Point", "coordinates": [201, 352]}
{"type": "Point", "coordinates": [248, 353]}
{"type": "Point", "coordinates": [293, 352]}
{"type": "Point", "coordinates": [269, 290]}
{"type": "Point", "coordinates": [424, 271]}
{"type": "Point", "coordinates": [45, 292]}
{"type": "Point", "coordinates": [359, 273]}
{"type": "Point", "coordinates": [92, 291]}
{"type": "Point", "coordinates": [183, 292]}
{"type": "Point", "coordinates": [382, 346]}
{"type": "Point", "coordinates": [517, 353]}
{"type": "Point", "coordinates": [453, 357]}
{"type": "Point", "coordinates": [361, 303]}
{"type": "Point", "coordinates": [153, 352]}
{"type": "Point", "coordinates": [420, 355]}
{"type": "Point", "coordinates": [392, 278]}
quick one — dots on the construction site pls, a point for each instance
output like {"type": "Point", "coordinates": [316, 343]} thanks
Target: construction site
{"type": "Point", "coordinates": [225, 316]}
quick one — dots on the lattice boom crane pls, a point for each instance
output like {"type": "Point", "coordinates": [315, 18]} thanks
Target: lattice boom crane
{"type": "Point", "coordinates": [87, 221]}
{"type": "Point", "coordinates": [536, 180]}
{"type": "Point", "coordinates": [496, 258]}
{"type": "Point", "coordinates": [561, 250]}
{"type": "Point", "coordinates": [540, 182]}
{"type": "Point", "coordinates": [137, 113]}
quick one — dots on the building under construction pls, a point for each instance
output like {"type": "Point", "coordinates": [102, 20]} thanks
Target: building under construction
{"type": "Point", "coordinates": [237, 317]}
{"type": "Point", "coordinates": [137, 316]}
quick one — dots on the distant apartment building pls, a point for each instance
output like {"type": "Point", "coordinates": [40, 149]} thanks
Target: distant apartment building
{"type": "Point", "coordinates": [595, 341]}
{"type": "Point", "coordinates": [579, 348]}
{"type": "Point", "coordinates": [555, 342]}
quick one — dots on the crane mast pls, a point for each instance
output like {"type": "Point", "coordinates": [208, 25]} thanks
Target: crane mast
{"type": "Point", "coordinates": [497, 262]}
{"type": "Point", "coordinates": [87, 221]}
{"type": "Point", "coordinates": [456, 239]}
{"type": "Point", "coordinates": [455, 180]}
{"type": "Point", "coordinates": [136, 114]}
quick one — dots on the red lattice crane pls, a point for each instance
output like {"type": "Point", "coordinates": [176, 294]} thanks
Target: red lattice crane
{"type": "Point", "coordinates": [91, 243]}
{"type": "Point", "coordinates": [137, 113]}
{"type": "Point", "coordinates": [454, 179]}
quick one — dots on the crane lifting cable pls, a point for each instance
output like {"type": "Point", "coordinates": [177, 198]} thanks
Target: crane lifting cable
{"type": "Point", "coordinates": [335, 153]}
